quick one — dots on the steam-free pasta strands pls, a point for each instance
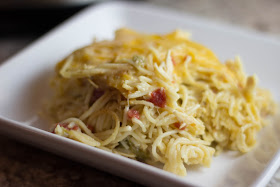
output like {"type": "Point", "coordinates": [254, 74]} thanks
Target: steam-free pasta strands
{"type": "Point", "coordinates": [158, 98]}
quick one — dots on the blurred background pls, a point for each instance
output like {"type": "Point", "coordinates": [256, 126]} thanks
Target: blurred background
{"type": "Point", "coordinates": [23, 21]}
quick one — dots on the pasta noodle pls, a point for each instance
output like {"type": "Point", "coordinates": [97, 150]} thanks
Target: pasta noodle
{"type": "Point", "coordinates": [158, 98]}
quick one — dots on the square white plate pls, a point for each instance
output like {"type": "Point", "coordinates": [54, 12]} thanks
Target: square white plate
{"type": "Point", "coordinates": [24, 82]}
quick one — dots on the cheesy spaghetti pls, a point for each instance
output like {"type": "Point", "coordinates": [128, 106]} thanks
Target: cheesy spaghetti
{"type": "Point", "coordinates": [157, 98]}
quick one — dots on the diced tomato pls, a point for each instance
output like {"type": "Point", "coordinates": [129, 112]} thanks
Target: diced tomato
{"type": "Point", "coordinates": [66, 126]}
{"type": "Point", "coordinates": [76, 127]}
{"type": "Point", "coordinates": [91, 128]}
{"type": "Point", "coordinates": [133, 114]}
{"type": "Point", "coordinates": [96, 95]}
{"type": "Point", "coordinates": [178, 125]}
{"type": "Point", "coordinates": [158, 97]}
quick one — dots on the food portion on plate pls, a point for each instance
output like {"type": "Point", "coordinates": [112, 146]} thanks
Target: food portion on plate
{"type": "Point", "coordinates": [158, 99]}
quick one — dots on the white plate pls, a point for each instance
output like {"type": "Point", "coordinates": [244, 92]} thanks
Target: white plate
{"type": "Point", "coordinates": [24, 82]}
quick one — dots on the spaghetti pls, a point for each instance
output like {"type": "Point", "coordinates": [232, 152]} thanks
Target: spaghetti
{"type": "Point", "coordinates": [157, 98]}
